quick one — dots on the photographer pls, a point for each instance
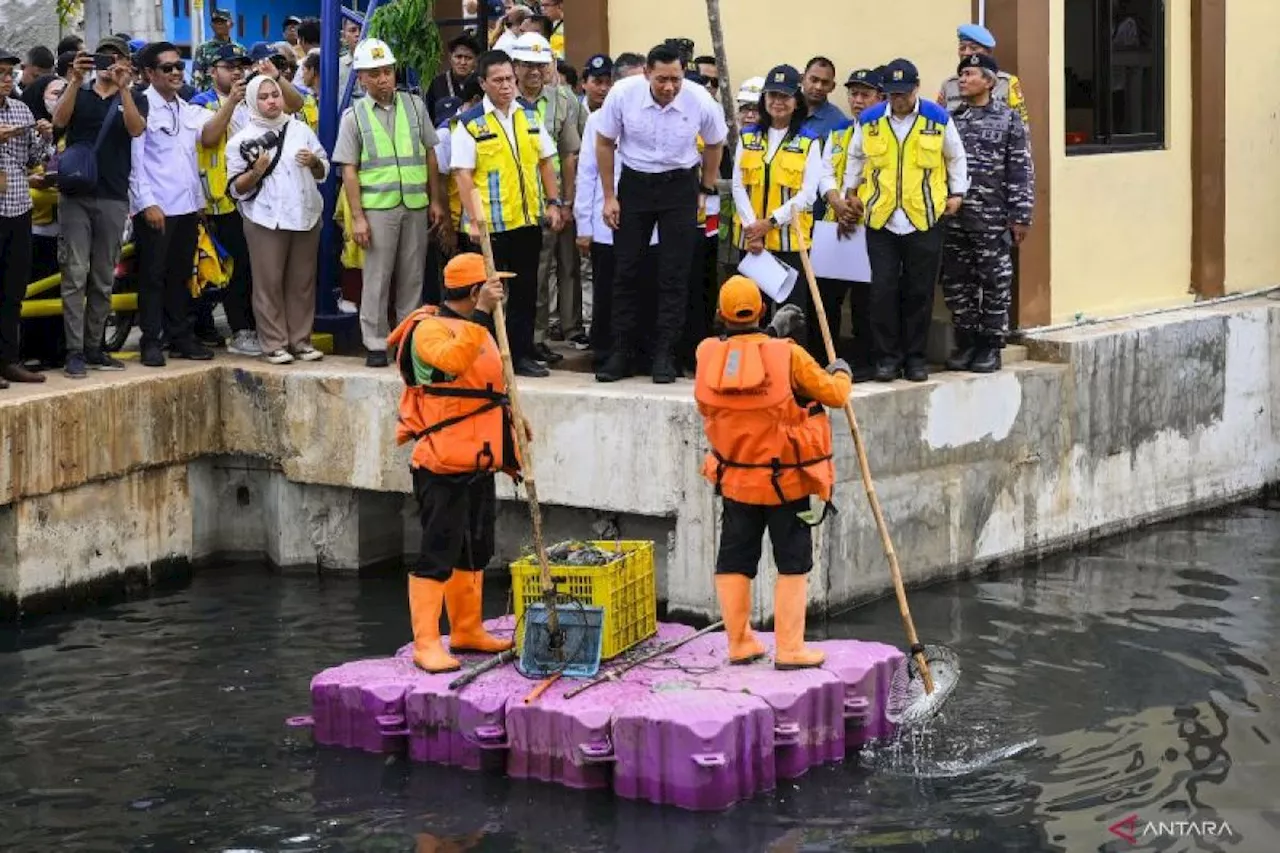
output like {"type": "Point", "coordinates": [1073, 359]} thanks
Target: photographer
{"type": "Point", "coordinates": [93, 222]}
{"type": "Point", "coordinates": [278, 163]}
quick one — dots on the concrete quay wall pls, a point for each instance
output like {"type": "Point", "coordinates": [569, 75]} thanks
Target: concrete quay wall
{"type": "Point", "coordinates": [122, 480]}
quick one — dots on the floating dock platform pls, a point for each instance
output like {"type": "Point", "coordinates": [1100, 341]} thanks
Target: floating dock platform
{"type": "Point", "coordinates": [685, 729]}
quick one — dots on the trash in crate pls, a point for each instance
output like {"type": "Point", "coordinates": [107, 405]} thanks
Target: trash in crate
{"type": "Point", "coordinates": [574, 552]}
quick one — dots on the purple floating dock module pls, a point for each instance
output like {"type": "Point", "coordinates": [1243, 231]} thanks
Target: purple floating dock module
{"type": "Point", "coordinates": [701, 750]}
{"type": "Point", "coordinates": [866, 670]}
{"type": "Point", "coordinates": [361, 705]}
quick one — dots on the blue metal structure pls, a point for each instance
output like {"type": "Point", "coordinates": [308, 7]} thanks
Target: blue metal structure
{"type": "Point", "coordinates": [255, 20]}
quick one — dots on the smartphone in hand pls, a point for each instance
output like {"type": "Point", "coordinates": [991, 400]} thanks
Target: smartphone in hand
{"type": "Point", "coordinates": [103, 61]}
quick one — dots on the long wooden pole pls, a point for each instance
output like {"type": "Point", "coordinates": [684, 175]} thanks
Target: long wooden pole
{"type": "Point", "coordinates": [890, 554]}
{"type": "Point", "coordinates": [522, 437]}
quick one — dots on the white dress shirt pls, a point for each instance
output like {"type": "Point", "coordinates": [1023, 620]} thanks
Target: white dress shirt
{"type": "Point", "coordinates": [952, 152]}
{"type": "Point", "coordinates": [803, 200]}
{"type": "Point", "coordinates": [288, 199]}
{"type": "Point", "coordinates": [588, 199]}
{"type": "Point", "coordinates": [653, 138]}
{"type": "Point", "coordinates": [462, 154]}
{"type": "Point", "coordinates": [165, 173]}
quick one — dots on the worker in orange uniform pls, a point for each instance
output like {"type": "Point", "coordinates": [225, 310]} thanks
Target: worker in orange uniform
{"type": "Point", "coordinates": [761, 397]}
{"type": "Point", "coordinates": [455, 407]}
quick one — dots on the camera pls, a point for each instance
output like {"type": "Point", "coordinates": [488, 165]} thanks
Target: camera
{"type": "Point", "coordinates": [251, 149]}
{"type": "Point", "coordinates": [103, 61]}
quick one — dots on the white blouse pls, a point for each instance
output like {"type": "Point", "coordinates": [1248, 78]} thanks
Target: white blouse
{"type": "Point", "coordinates": [288, 199]}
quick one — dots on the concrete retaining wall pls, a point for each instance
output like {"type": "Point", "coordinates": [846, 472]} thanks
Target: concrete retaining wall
{"type": "Point", "coordinates": [1106, 428]}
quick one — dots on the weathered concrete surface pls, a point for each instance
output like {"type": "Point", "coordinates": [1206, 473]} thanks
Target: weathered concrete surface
{"type": "Point", "coordinates": [27, 23]}
{"type": "Point", "coordinates": [1107, 427]}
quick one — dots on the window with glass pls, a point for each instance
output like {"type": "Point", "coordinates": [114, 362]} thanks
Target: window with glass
{"type": "Point", "coordinates": [1115, 72]}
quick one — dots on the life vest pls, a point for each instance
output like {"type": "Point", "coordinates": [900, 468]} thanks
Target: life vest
{"type": "Point", "coordinates": [213, 165]}
{"type": "Point", "coordinates": [773, 182]}
{"type": "Point", "coordinates": [912, 175]}
{"type": "Point", "coordinates": [838, 143]}
{"type": "Point", "coordinates": [391, 173]}
{"type": "Point", "coordinates": [507, 175]}
{"type": "Point", "coordinates": [766, 447]}
{"type": "Point", "coordinates": [462, 424]}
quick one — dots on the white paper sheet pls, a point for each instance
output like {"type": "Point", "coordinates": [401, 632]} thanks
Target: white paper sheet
{"type": "Point", "coordinates": [832, 257]}
{"type": "Point", "coordinates": [775, 279]}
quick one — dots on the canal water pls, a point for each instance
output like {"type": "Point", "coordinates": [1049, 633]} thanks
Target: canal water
{"type": "Point", "coordinates": [1129, 683]}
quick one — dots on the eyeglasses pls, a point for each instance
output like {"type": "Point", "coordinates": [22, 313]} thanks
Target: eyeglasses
{"type": "Point", "coordinates": [8, 75]}
{"type": "Point", "coordinates": [713, 82]}
{"type": "Point", "coordinates": [170, 67]}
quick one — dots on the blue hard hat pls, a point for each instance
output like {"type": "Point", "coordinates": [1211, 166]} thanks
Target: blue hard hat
{"type": "Point", "coordinates": [446, 109]}
{"type": "Point", "coordinates": [136, 45]}
{"type": "Point", "coordinates": [977, 34]}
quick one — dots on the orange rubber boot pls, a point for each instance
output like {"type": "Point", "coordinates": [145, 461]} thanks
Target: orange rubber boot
{"type": "Point", "coordinates": [426, 600]}
{"type": "Point", "coordinates": [464, 596]}
{"type": "Point", "coordinates": [788, 617]}
{"type": "Point", "coordinates": [734, 592]}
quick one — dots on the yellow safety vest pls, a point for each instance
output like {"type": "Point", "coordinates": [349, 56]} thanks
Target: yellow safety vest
{"type": "Point", "coordinates": [213, 169]}
{"type": "Point", "coordinates": [391, 174]}
{"type": "Point", "coordinates": [506, 175]}
{"type": "Point", "coordinates": [839, 142]}
{"type": "Point", "coordinates": [310, 113]}
{"type": "Point", "coordinates": [911, 176]}
{"type": "Point", "coordinates": [702, 209]}
{"type": "Point", "coordinates": [771, 183]}
{"type": "Point", "coordinates": [456, 211]}
{"type": "Point", "coordinates": [544, 103]}
{"type": "Point", "coordinates": [557, 40]}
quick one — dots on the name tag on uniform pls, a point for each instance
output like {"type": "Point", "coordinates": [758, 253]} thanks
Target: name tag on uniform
{"type": "Point", "coordinates": [931, 131]}
{"type": "Point", "coordinates": [485, 136]}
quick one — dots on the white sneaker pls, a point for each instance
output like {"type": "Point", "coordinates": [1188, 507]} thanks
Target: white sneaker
{"type": "Point", "coordinates": [306, 352]}
{"type": "Point", "coordinates": [279, 356]}
{"type": "Point", "coordinates": [245, 342]}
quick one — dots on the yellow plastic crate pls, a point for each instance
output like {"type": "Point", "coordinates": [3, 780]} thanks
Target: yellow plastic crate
{"type": "Point", "coordinates": [626, 588]}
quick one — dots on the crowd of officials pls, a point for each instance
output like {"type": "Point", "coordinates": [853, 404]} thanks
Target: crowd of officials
{"type": "Point", "coordinates": [599, 187]}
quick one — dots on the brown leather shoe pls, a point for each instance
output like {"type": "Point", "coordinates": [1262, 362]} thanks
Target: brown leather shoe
{"type": "Point", "coordinates": [18, 373]}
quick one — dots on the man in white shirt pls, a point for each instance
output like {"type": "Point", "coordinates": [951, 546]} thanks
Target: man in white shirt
{"type": "Point", "coordinates": [654, 123]}
{"type": "Point", "coordinates": [165, 196]}
{"type": "Point", "coordinates": [918, 175]}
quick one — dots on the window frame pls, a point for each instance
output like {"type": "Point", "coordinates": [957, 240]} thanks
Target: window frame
{"type": "Point", "coordinates": [1105, 141]}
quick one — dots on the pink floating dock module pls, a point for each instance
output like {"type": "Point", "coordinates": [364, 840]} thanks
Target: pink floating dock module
{"type": "Point", "coordinates": [685, 729]}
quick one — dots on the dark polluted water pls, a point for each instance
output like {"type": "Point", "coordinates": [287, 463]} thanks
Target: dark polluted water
{"type": "Point", "coordinates": [1130, 683]}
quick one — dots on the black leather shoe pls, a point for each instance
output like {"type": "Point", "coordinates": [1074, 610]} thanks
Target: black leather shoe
{"type": "Point", "coordinates": [376, 358]}
{"type": "Point", "coordinates": [616, 367]}
{"type": "Point", "coordinates": [545, 353]}
{"type": "Point", "coordinates": [987, 358]}
{"type": "Point", "coordinates": [962, 355]}
{"type": "Point", "coordinates": [153, 356]}
{"type": "Point", "coordinates": [192, 351]}
{"type": "Point", "coordinates": [531, 368]}
{"type": "Point", "coordinates": [887, 371]}
{"type": "Point", "coordinates": [665, 369]}
{"type": "Point", "coordinates": [916, 371]}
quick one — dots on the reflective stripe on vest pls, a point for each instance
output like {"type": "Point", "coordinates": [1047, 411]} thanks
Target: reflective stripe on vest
{"type": "Point", "coordinates": [213, 168]}
{"type": "Point", "coordinates": [506, 172]}
{"type": "Point", "coordinates": [772, 182]}
{"type": "Point", "coordinates": [391, 174]}
{"type": "Point", "coordinates": [766, 448]}
{"type": "Point", "coordinates": [911, 175]}
{"type": "Point", "coordinates": [839, 143]}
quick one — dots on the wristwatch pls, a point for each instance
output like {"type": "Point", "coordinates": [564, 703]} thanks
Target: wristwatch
{"type": "Point", "coordinates": [773, 222]}
{"type": "Point", "coordinates": [708, 190]}
{"type": "Point", "coordinates": [554, 202]}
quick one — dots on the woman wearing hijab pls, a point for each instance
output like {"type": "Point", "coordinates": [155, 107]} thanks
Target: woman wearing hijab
{"type": "Point", "coordinates": [279, 199]}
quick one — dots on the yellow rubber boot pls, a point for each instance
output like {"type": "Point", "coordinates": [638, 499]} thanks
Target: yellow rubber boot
{"type": "Point", "coordinates": [788, 617]}
{"type": "Point", "coordinates": [734, 592]}
{"type": "Point", "coordinates": [426, 600]}
{"type": "Point", "coordinates": [464, 597]}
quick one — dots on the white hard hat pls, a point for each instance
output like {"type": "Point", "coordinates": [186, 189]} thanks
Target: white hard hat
{"type": "Point", "coordinates": [532, 47]}
{"type": "Point", "coordinates": [370, 54]}
{"type": "Point", "coordinates": [750, 91]}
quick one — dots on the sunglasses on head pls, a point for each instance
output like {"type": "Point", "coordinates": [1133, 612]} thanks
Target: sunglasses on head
{"type": "Point", "coordinates": [170, 67]}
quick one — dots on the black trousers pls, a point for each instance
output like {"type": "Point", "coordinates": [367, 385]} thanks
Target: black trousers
{"type": "Point", "coordinates": [742, 538]}
{"type": "Point", "coordinates": [228, 228]}
{"type": "Point", "coordinates": [437, 259]}
{"type": "Point", "coordinates": [458, 514]}
{"type": "Point", "coordinates": [670, 201]}
{"type": "Point", "coordinates": [602, 274]}
{"type": "Point", "coordinates": [517, 251]}
{"type": "Point", "coordinates": [15, 270]}
{"type": "Point", "coordinates": [810, 336]}
{"type": "Point", "coordinates": [696, 326]}
{"type": "Point", "coordinates": [834, 294]}
{"type": "Point", "coordinates": [904, 273]}
{"type": "Point", "coordinates": [43, 338]}
{"type": "Point", "coordinates": [164, 271]}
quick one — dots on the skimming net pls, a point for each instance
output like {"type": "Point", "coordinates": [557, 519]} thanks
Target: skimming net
{"type": "Point", "coordinates": [909, 704]}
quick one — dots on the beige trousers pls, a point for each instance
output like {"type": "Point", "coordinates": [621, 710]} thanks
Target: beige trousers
{"type": "Point", "coordinates": [284, 284]}
{"type": "Point", "coordinates": [397, 252]}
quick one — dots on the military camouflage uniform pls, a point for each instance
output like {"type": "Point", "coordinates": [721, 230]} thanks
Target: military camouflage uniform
{"type": "Point", "coordinates": [977, 270]}
{"type": "Point", "coordinates": [202, 60]}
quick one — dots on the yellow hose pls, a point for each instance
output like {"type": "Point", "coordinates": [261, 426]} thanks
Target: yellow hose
{"type": "Point", "coordinates": [53, 307]}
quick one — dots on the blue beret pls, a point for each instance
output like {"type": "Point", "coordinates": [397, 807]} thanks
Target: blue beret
{"type": "Point", "coordinates": [977, 35]}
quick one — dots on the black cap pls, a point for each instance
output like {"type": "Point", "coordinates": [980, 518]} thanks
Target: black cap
{"type": "Point", "coordinates": [782, 78]}
{"type": "Point", "coordinates": [985, 61]}
{"type": "Point", "coordinates": [220, 15]}
{"type": "Point", "coordinates": [869, 77]}
{"type": "Point", "coordinates": [8, 57]}
{"type": "Point", "coordinates": [446, 109]}
{"type": "Point", "coordinates": [599, 65]}
{"type": "Point", "coordinates": [900, 77]}
{"type": "Point", "coordinates": [231, 53]}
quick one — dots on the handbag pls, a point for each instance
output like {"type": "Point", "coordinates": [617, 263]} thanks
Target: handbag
{"type": "Point", "coordinates": [77, 167]}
